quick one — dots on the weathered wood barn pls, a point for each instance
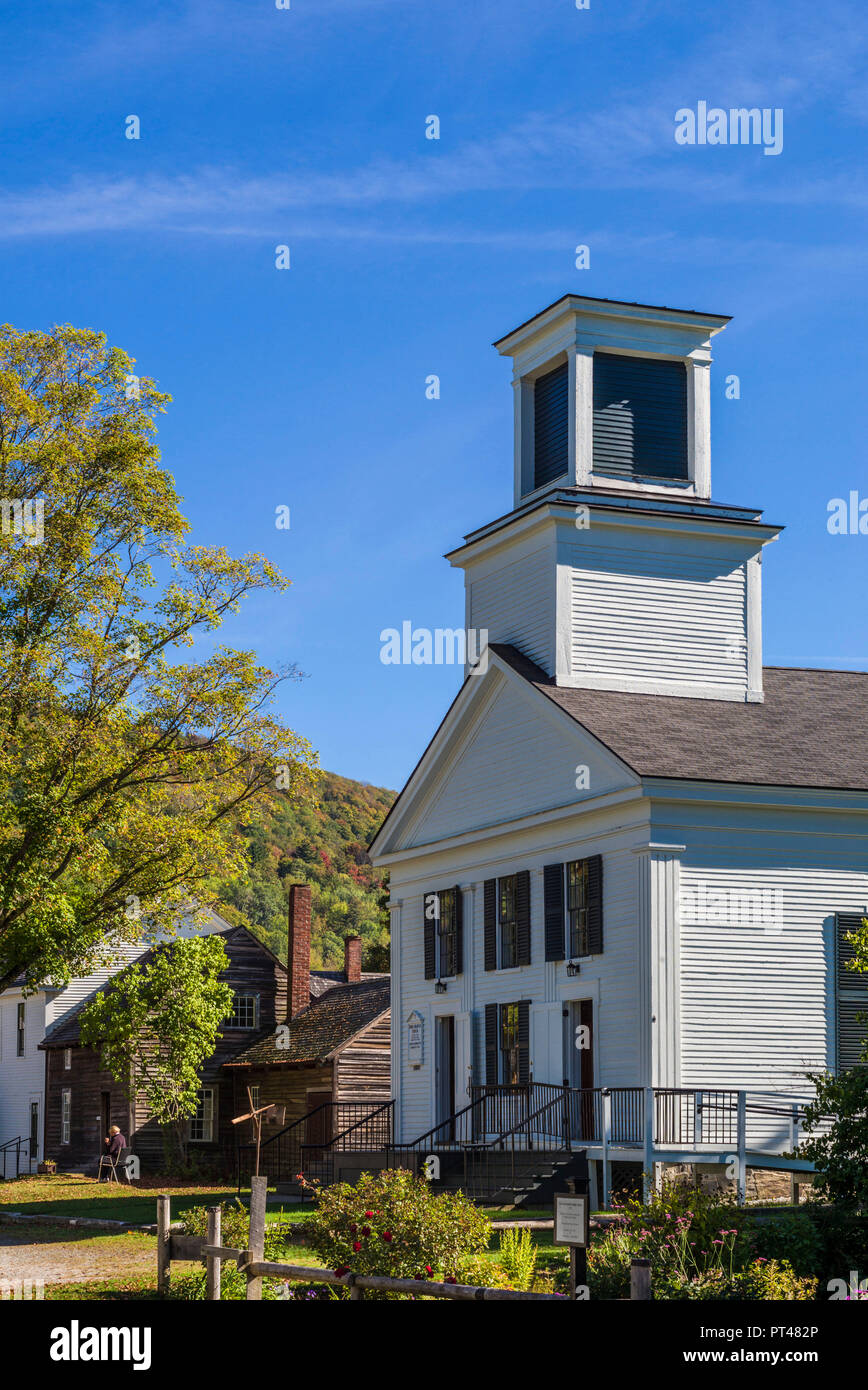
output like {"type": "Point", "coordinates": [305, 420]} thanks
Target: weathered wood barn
{"type": "Point", "coordinates": [332, 1029]}
{"type": "Point", "coordinates": [623, 871]}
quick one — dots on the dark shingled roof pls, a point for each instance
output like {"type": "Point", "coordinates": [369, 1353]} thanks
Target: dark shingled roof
{"type": "Point", "coordinates": [323, 1026]}
{"type": "Point", "coordinates": [809, 732]}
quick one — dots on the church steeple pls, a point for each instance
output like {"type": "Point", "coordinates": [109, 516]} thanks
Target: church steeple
{"type": "Point", "coordinates": [615, 570]}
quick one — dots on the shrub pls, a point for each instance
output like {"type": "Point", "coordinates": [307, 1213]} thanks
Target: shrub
{"type": "Point", "coordinates": [840, 1154]}
{"type": "Point", "coordinates": [763, 1279]}
{"type": "Point", "coordinates": [518, 1257]}
{"type": "Point", "coordinates": [390, 1223]}
{"type": "Point", "coordinates": [791, 1239]}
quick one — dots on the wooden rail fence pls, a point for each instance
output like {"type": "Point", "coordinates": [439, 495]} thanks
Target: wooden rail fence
{"type": "Point", "coordinates": [255, 1267]}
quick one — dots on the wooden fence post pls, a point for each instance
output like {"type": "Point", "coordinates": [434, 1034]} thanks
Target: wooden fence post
{"type": "Point", "coordinates": [212, 1262]}
{"type": "Point", "coordinates": [256, 1239]}
{"type": "Point", "coordinates": [640, 1279]}
{"type": "Point", "coordinates": [741, 1189]}
{"type": "Point", "coordinates": [163, 1237]}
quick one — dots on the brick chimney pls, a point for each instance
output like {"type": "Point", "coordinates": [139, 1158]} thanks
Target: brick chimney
{"type": "Point", "coordinates": [353, 959]}
{"type": "Point", "coordinates": [299, 948]}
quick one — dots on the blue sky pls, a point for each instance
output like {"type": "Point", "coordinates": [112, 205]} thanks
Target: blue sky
{"type": "Point", "coordinates": [306, 387]}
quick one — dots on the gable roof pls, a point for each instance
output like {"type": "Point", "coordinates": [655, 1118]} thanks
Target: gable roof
{"type": "Point", "coordinates": [320, 1029]}
{"type": "Point", "coordinates": [68, 1030]}
{"type": "Point", "coordinates": [808, 732]}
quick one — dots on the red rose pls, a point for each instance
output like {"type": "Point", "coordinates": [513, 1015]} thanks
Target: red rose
{"type": "Point", "coordinates": [369, 1213]}
{"type": "Point", "coordinates": [353, 1228]}
{"type": "Point", "coordinates": [450, 1279]}
{"type": "Point", "coordinates": [357, 1245]}
{"type": "Point", "coordinates": [366, 1230]}
{"type": "Point", "coordinates": [387, 1235]}
{"type": "Point", "coordinates": [341, 1270]}
{"type": "Point", "coordinates": [428, 1269]}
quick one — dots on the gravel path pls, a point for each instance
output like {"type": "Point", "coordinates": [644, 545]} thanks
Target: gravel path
{"type": "Point", "coordinates": [53, 1255]}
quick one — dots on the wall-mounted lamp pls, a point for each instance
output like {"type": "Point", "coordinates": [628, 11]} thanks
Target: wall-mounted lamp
{"type": "Point", "coordinates": [440, 987]}
{"type": "Point", "coordinates": [573, 967]}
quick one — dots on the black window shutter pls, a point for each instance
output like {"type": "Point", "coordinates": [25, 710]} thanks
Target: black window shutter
{"type": "Point", "coordinates": [523, 1042]}
{"type": "Point", "coordinates": [640, 416]}
{"type": "Point", "coordinates": [522, 916]}
{"type": "Point", "coordinates": [489, 924]}
{"type": "Point", "coordinates": [852, 994]}
{"type": "Point", "coordinates": [550, 426]}
{"type": "Point", "coordinates": [459, 930]}
{"type": "Point", "coordinates": [491, 1044]}
{"type": "Point", "coordinates": [553, 910]}
{"type": "Point", "coordinates": [595, 904]}
{"type": "Point", "coordinates": [429, 940]}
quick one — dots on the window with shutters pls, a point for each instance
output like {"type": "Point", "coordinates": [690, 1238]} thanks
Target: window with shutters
{"type": "Point", "coordinates": [577, 908]}
{"type": "Point", "coordinates": [640, 417]}
{"type": "Point", "coordinates": [852, 995]}
{"type": "Point", "coordinates": [550, 426]}
{"type": "Point", "coordinates": [508, 923]}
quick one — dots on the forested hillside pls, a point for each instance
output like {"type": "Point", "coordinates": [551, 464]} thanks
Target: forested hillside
{"type": "Point", "coordinates": [323, 845]}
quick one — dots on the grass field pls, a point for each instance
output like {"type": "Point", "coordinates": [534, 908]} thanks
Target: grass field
{"type": "Point", "coordinates": [71, 1196]}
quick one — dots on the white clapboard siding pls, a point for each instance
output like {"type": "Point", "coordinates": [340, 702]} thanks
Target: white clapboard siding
{"type": "Point", "coordinates": [516, 604]}
{"type": "Point", "coordinates": [21, 1078]}
{"type": "Point", "coordinates": [611, 979]}
{"type": "Point", "coordinates": [513, 761]}
{"type": "Point", "coordinates": [661, 615]}
{"type": "Point", "coordinates": [758, 1002]}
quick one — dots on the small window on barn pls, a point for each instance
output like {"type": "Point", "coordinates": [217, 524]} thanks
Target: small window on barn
{"type": "Point", "coordinates": [244, 1011]}
{"type": "Point", "coordinates": [203, 1120]}
{"type": "Point", "coordinates": [65, 1115]}
{"type": "Point", "coordinates": [640, 417]}
{"type": "Point", "coordinates": [67, 1059]}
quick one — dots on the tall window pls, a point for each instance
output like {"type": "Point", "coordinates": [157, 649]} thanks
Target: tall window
{"type": "Point", "coordinates": [202, 1120]}
{"type": "Point", "coordinates": [21, 1031]}
{"type": "Point", "coordinates": [510, 1069]}
{"type": "Point", "coordinates": [243, 1011]}
{"type": "Point", "coordinates": [65, 1115]}
{"type": "Point", "coordinates": [577, 908]}
{"type": "Point", "coordinates": [254, 1097]}
{"type": "Point", "coordinates": [448, 932]}
{"type": "Point", "coordinates": [508, 932]}
{"type": "Point", "coordinates": [67, 1059]}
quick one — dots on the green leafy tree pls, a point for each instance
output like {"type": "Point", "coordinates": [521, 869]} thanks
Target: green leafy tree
{"type": "Point", "coordinates": [840, 1153]}
{"type": "Point", "coordinates": [124, 767]}
{"type": "Point", "coordinates": [158, 1022]}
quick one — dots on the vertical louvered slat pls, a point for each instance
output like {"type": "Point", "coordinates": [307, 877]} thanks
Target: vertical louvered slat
{"type": "Point", "coordinates": [491, 1021]}
{"type": "Point", "coordinates": [553, 911]}
{"type": "Point", "coordinates": [640, 416]}
{"type": "Point", "coordinates": [523, 1042]}
{"type": "Point", "coordinates": [489, 924]}
{"type": "Point", "coordinates": [550, 426]}
{"type": "Point", "coordinates": [595, 904]}
{"type": "Point", "coordinates": [852, 995]}
{"type": "Point", "coordinates": [459, 930]}
{"type": "Point", "coordinates": [429, 937]}
{"type": "Point", "coordinates": [522, 916]}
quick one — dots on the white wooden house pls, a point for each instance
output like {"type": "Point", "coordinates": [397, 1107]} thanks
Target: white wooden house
{"type": "Point", "coordinates": [623, 869]}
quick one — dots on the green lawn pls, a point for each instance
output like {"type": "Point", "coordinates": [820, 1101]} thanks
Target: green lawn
{"type": "Point", "coordinates": [64, 1195]}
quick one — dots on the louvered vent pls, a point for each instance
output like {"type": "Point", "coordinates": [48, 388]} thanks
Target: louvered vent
{"type": "Point", "coordinates": [550, 419]}
{"type": "Point", "coordinates": [640, 417]}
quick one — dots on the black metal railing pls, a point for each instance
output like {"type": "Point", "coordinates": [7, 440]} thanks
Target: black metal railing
{"type": "Point", "coordinates": [11, 1157]}
{"type": "Point", "coordinates": [302, 1147]}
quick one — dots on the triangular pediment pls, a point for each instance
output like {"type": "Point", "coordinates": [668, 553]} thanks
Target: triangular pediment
{"type": "Point", "coordinates": [503, 752]}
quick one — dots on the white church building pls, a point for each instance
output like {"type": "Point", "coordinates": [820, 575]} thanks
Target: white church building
{"type": "Point", "coordinates": [623, 870]}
